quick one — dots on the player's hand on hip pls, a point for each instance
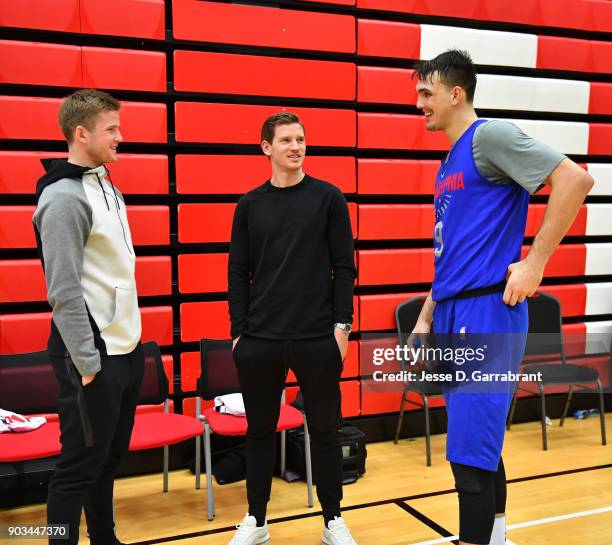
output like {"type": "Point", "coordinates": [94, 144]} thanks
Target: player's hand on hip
{"type": "Point", "coordinates": [235, 342]}
{"type": "Point", "coordinates": [522, 281]}
{"type": "Point", "coordinates": [342, 340]}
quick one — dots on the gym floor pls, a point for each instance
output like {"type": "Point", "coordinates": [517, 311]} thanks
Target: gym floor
{"type": "Point", "coordinates": [561, 497]}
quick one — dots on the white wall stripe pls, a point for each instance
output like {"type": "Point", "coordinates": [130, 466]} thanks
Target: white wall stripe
{"type": "Point", "coordinates": [530, 523]}
{"type": "Point", "coordinates": [602, 173]}
{"type": "Point", "coordinates": [598, 299]}
{"type": "Point", "coordinates": [599, 219]}
{"type": "Point", "coordinates": [497, 92]}
{"type": "Point", "coordinates": [598, 258]}
{"type": "Point", "coordinates": [490, 47]}
{"type": "Point", "coordinates": [566, 136]}
{"type": "Point", "coordinates": [599, 337]}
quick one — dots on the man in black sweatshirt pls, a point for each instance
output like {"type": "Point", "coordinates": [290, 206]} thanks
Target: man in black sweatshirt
{"type": "Point", "coordinates": [291, 278]}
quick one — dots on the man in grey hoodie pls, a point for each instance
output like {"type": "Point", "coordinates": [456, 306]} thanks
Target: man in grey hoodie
{"type": "Point", "coordinates": [84, 242]}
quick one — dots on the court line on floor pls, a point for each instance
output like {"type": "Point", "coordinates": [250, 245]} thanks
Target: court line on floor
{"type": "Point", "coordinates": [427, 521]}
{"type": "Point", "coordinates": [530, 523]}
{"type": "Point", "coordinates": [424, 495]}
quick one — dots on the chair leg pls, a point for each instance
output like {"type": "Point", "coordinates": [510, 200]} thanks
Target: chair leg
{"type": "Point", "coordinates": [512, 409]}
{"type": "Point", "coordinates": [198, 452]}
{"type": "Point", "coordinates": [401, 416]}
{"type": "Point", "coordinates": [210, 497]}
{"type": "Point", "coordinates": [602, 414]}
{"type": "Point", "coordinates": [543, 410]}
{"type": "Point", "coordinates": [198, 461]}
{"type": "Point", "coordinates": [567, 404]}
{"type": "Point", "coordinates": [427, 431]}
{"type": "Point", "coordinates": [283, 453]}
{"type": "Point", "coordinates": [308, 461]}
{"type": "Point", "coordinates": [166, 460]}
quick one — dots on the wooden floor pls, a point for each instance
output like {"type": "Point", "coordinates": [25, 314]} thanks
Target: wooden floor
{"type": "Point", "coordinates": [561, 497]}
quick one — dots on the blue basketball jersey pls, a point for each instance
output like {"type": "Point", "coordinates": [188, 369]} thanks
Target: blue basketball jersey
{"type": "Point", "coordinates": [479, 225]}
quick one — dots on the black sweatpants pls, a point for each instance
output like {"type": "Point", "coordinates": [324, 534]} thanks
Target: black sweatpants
{"type": "Point", "coordinates": [262, 366]}
{"type": "Point", "coordinates": [96, 425]}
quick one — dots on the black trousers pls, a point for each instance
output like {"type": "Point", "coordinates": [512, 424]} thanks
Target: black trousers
{"type": "Point", "coordinates": [262, 366]}
{"type": "Point", "coordinates": [96, 425]}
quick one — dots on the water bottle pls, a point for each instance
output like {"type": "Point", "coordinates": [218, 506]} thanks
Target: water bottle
{"type": "Point", "coordinates": [585, 413]}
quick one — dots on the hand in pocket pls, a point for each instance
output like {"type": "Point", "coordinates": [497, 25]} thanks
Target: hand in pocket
{"type": "Point", "coordinates": [342, 340]}
{"type": "Point", "coordinates": [88, 379]}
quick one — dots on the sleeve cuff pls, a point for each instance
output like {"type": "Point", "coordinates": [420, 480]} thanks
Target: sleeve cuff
{"type": "Point", "coordinates": [89, 367]}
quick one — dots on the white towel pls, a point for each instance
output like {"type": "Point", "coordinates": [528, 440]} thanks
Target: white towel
{"type": "Point", "coordinates": [230, 404]}
{"type": "Point", "coordinates": [14, 422]}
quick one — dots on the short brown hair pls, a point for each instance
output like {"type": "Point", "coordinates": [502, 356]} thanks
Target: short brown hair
{"type": "Point", "coordinates": [81, 108]}
{"type": "Point", "coordinates": [282, 118]}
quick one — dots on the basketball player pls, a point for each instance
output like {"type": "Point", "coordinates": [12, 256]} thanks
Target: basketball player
{"type": "Point", "coordinates": [480, 283]}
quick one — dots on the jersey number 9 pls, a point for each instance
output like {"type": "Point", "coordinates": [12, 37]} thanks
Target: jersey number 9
{"type": "Point", "coordinates": [438, 244]}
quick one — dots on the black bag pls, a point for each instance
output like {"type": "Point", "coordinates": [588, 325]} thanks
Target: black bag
{"type": "Point", "coordinates": [231, 467]}
{"type": "Point", "coordinates": [228, 459]}
{"type": "Point", "coordinates": [354, 452]}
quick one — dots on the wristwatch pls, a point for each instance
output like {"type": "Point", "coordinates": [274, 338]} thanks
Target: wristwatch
{"type": "Point", "coordinates": [344, 327]}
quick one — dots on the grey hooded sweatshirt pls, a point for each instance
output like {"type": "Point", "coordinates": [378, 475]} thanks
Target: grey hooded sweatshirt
{"type": "Point", "coordinates": [84, 242]}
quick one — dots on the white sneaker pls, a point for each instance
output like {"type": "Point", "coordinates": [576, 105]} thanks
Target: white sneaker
{"type": "Point", "coordinates": [337, 533]}
{"type": "Point", "coordinates": [248, 533]}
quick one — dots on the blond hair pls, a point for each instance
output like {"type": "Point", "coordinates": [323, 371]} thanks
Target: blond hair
{"type": "Point", "coordinates": [82, 107]}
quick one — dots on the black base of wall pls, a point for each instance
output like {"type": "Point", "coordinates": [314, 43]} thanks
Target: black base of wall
{"type": "Point", "coordinates": [25, 483]}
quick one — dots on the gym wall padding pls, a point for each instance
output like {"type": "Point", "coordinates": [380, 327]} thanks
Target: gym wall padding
{"type": "Point", "coordinates": [197, 78]}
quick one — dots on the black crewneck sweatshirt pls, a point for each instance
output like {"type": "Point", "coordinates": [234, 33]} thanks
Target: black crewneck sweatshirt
{"type": "Point", "coordinates": [291, 270]}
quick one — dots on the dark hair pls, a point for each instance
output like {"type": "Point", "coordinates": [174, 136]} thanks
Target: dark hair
{"type": "Point", "coordinates": [82, 107]}
{"type": "Point", "coordinates": [283, 118]}
{"type": "Point", "coordinates": [454, 67]}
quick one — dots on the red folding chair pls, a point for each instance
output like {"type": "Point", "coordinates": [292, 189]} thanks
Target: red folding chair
{"type": "Point", "coordinates": [155, 429]}
{"type": "Point", "coordinates": [28, 386]}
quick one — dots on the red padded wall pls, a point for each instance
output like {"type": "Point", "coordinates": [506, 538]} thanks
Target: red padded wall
{"type": "Point", "coordinates": [593, 15]}
{"type": "Point", "coordinates": [262, 26]}
{"type": "Point", "coordinates": [138, 18]}
{"type": "Point", "coordinates": [255, 75]}
{"type": "Point", "coordinates": [23, 279]}
{"type": "Point", "coordinates": [32, 63]}
{"type": "Point", "coordinates": [134, 174]}
{"type": "Point", "coordinates": [388, 39]}
{"type": "Point", "coordinates": [207, 122]}
{"type": "Point", "coordinates": [110, 68]}
{"type": "Point", "coordinates": [35, 118]}
{"type": "Point", "coordinates": [224, 174]}
{"type": "Point", "coordinates": [392, 131]}
{"type": "Point", "coordinates": [385, 85]}
{"type": "Point", "coordinates": [58, 15]}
